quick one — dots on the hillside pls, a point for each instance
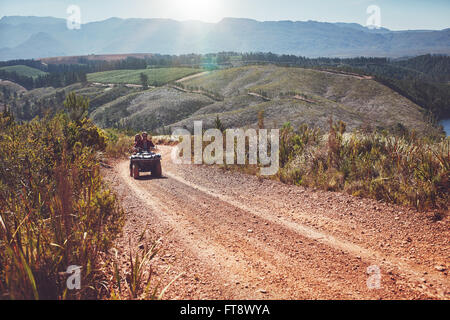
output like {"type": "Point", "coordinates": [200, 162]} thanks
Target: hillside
{"type": "Point", "coordinates": [11, 86]}
{"type": "Point", "coordinates": [37, 102]}
{"type": "Point", "coordinates": [34, 37]}
{"type": "Point", "coordinates": [24, 71]}
{"type": "Point", "coordinates": [236, 96]}
{"type": "Point", "coordinates": [303, 96]}
{"type": "Point", "coordinates": [293, 95]}
{"type": "Point", "coordinates": [150, 110]}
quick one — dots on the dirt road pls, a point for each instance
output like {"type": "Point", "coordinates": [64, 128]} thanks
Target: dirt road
{"type": "Point", "coordinates": [239, 237]}
{"type": "Point", "coordinates": [193, 76]}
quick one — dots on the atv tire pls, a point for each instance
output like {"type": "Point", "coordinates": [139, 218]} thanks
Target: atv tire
{"type": "Point", "coordinates": [135, 172]}
{"type": "Point", "coordinates": [157, 171]}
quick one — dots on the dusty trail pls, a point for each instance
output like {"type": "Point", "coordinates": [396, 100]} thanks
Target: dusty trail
{"type": "Point", "coordinates": [237, 237]}
{"type": "Point", "coordinates": [193, 76]}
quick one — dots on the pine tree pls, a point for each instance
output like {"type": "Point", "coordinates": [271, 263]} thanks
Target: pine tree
{"type": "Point", "coordinates": [144, 80]}
{"type": "Point", "coordinates": [219, 125]}
{"type": "Point", "coordinates": [76, 106]}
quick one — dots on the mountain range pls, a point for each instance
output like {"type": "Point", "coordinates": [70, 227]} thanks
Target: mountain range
{"type": "Point", "coordinates": [38, 37]}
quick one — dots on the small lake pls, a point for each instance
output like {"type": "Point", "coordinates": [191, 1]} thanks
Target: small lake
{"type": "Point", "coordinates": [446, 124]}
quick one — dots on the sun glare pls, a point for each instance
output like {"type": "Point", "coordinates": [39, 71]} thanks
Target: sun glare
{"type": "Point", "coordinates": [204, 10]}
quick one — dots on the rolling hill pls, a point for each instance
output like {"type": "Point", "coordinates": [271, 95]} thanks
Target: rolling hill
{"type": "Point", "coordinates": [24, 71]}
{"type": "Point", "coordinates": [293, 95]}
{"type": "Point", "coordinates": [236, 96]}
{"type": "Point", "coordinates": [150, 110]}
{"type": "Point", "coordinates": [303, 96]}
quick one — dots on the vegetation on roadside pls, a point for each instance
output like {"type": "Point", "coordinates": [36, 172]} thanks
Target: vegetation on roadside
{"type": "Point", "coordinates": [119, 143]}
{"type": "Point", "coordinates": [191, 89]}
{"type": "Point", "coordinates": [406, 170]}
{"type": "Point", "coordinates": [139, 282]}
{"type": "Point", "coordinates": [56, 213]}
{"type": "Point", "coordinates": [55, 210]}
{"type": "Point", "coordinates": [402, 169]}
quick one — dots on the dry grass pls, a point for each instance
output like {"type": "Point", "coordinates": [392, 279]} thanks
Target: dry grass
{"type": "Point", "coordinates": [55, 211]}
{"type": "Point", "coordinates": [405, 170]}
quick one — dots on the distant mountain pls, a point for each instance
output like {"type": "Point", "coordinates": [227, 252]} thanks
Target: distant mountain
{"type": "Point", "coordinates": [41, 43]}
{"type": "Point", "coordinates": [18, 20]}
{"type": "Point", "coordinates": [38, 37]}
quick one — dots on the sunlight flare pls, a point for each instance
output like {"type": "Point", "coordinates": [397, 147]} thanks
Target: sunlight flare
{"type": "Point", "coordinates": [203, 10]}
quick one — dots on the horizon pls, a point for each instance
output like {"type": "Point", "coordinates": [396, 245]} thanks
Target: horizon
{"type": "Point", "coordinates": [399, 16]}
{"type": "Point", "coordinates": [224, 18]}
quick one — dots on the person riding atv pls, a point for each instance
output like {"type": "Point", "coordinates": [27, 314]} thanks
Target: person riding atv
{"type": "Point", "coordinates": [143, 159]}
{"type": "Point", "coordinates": [142, 143]}
{"type": "Point", "coordinates": [137, 142]}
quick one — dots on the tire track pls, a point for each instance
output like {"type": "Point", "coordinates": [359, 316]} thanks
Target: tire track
{"type": "Point", "coordinates": [247, 251]}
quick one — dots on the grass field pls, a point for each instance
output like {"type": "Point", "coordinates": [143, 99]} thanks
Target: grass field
{"type": "Point", "coordinates": [24, 71]}
{"type": "Point", "coordinates": [156, 77]}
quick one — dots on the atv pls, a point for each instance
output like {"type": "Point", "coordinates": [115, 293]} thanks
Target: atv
{"type": "Point", "coordinates": [144, 161]}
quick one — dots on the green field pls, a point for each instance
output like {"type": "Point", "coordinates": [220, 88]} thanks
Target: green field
{"type": "Point", "coordinates": [24, 71]}
{"type": "Point", "coordinates": [156, 77]}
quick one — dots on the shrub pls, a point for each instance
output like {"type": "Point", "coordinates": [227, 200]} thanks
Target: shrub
{"type": "Point", "coordinates": [119, 144]}
{"type": "Point", "coordinates": [55, 211]}
{"type": "Point", "coordinates": [405, 170]}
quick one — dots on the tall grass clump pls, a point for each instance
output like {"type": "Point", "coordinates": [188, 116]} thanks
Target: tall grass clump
{"type": "Point", "coordinates": [406, 170]}
{"type": "Point", "coordinates": [399, 168]}
{"type": "Point", "coordinates": [55, 211]}
{"type": "Point", "coordinates": [119, 143]}
{"type": "Point", "coordinates": [138, 281]}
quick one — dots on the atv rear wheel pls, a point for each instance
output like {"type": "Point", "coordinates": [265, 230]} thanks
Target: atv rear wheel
{"type": "Point", "coordinates": [157, 171]}
{"type": "Point", "coordinates": [135, 172]}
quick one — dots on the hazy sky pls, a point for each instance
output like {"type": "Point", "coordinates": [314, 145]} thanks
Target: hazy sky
{"type": "Point", "coordinates": [395, 14]}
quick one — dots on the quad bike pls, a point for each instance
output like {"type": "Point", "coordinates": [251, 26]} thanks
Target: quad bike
{"type": "Point", "coordinates": [144, 161]}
